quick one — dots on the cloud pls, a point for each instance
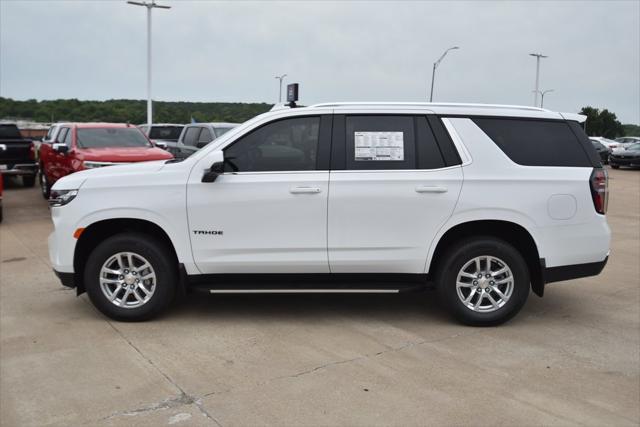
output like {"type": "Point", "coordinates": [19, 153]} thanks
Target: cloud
{"type": "Point", "coordinates": [367, 51]}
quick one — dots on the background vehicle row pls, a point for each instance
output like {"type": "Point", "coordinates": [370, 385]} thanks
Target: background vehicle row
{"type": "Point", "coordinates": [79, 146]}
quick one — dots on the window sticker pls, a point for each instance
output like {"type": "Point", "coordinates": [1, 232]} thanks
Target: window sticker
{"type": "Point", "coordinates": [379, 146]}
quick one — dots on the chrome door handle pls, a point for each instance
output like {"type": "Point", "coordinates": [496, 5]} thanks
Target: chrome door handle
{"type": "Point", "coordinates": [304, 190]}
{"type": "Point", "coordinates": [430, 189]}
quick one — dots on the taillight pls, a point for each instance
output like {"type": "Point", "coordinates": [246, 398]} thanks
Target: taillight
{"type": "Point", "coordinates": [599, 190]}
{"type": "Point", "coordinates": [32, 151]}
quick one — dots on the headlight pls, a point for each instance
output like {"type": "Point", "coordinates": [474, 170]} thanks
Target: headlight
{"type": "Point", "coordinates": [93, 165]}
{"type": "Point", "coordinates": [59, 198]}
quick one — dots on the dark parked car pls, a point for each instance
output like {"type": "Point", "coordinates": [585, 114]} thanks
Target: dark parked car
{"type": "Point", "coordinates": [603, 150]}
{"type": "Point", "coordinates": [17, 154]}
{"type": "Point", "coordinates": [627, 156]}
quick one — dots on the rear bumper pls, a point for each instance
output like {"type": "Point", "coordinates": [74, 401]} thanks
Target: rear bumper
{"type": "Point", "coordinates": [569, 272]}
{"type": "Point", "coordinates": [20, 169]}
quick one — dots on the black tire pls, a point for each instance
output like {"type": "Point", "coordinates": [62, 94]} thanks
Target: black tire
{"type": "Point", "coordinates": [463, 252]}
{"type": "Point", "coordinates": [615, 166]}
{"type": "Point", "coordinates": [45, 187]}
{"type": "Point", "coordinates": [28, 180]}
{"type": "Point", "coordinates": [162, 262]}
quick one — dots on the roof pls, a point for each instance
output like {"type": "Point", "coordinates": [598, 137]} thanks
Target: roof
{"type": "Point", "coordinates": [447, 108]}
{"type": "Point", "coordinates": [162, 124]}
{"type": "Point", "coordinates": [101, 125]}
{"type": "Point", "coordinates": [427, 105]}
{"type": "Point", "coordinates": [222, 124]}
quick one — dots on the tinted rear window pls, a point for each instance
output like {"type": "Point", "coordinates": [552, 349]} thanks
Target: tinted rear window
{"type": "Point", "coordinates": [111, 137]}
{"type": "Point", "coordinates": [9, 132]}
{"type": "Point", "coordinates": [536, 142]}
{"type": "Point", "coordinates": [169, 133]}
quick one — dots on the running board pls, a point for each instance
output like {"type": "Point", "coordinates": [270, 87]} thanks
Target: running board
{"type": "Point", "coordinates": [304, 291]}
{"type": "Point", "coordinates": [306, 283]}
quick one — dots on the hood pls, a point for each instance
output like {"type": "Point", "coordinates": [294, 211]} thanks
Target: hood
{"type": "Point", "coordinates": [75, 180]}
{"type": "Point", "coordinates": [123, 154]}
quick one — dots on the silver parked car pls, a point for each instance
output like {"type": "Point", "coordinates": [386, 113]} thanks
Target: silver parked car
{"type": "Point", "coordinates": [194, 136]}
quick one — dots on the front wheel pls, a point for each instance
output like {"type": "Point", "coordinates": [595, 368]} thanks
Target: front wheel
{"type": "Point", "coordinates": [45, 187]}
{"type": "Point", "coordinates": [483, 281]}
{"type": "Point", "coordinates": [131, 277]}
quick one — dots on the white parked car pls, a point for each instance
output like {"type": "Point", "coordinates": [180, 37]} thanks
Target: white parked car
{"type": "Point", "coordinates": [609, 143]}
{"type": "Point", "coordinates": [626, 140]}
{"type": "Point", "coordinates": [483, 202]}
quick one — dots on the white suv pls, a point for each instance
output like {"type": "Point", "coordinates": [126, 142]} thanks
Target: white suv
{"type": "Point", "coordinates": [483, 202]}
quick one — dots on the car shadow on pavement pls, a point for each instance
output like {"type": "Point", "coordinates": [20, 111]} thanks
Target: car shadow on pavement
{"type": "Point", "coordinates": [279, 307]}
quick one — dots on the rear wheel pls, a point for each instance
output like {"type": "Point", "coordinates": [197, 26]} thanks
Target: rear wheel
{"type": "Point", "coordinates": [615, 166]}
{"type": "Point", "coordinates": [44, 185]}
{"type": "Point", "coordinates": [28, 180]}
{"type": "Point", "coordinates": [483, 281]}
{"type": "Point", "coordinates": [131, 277]}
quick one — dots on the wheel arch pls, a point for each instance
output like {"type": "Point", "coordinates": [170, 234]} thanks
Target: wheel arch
{"type": "Point", "coordinates": [100, 230]}
{"type": "Point", "coordinates": [513, 233]}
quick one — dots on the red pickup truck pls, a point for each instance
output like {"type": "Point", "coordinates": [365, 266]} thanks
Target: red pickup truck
{"type": "Point", "coordinates": [80, 146]}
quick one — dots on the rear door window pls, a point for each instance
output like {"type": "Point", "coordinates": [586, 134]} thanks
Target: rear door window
{"type": "Point", "coordinates": [205, 136]}
{"type": "Point", "coordinates": [191, 136]}
{"type": "Point", "coordinates": [536, 142]}
{"type": "Point", "coordinates": [380, 142]}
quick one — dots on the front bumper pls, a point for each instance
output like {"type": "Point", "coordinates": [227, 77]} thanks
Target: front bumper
{"type": "Point", "coordinates": [19, 169]}
{"type": "Point", "coordinates": [618, 161]}
{"type": "Point", "coordinates": [65, 278]}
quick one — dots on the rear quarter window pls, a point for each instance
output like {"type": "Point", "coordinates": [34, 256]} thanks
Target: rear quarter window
{"type": "Point", "coordinates": [537, 142]}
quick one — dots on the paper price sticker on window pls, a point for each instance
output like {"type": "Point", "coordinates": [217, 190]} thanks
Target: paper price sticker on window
{"type": "Point", "coordinates": [379, 146]}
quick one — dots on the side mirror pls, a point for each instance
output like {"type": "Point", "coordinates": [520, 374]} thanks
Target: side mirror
{"type": "Point", "coordinates": [60, 148]}
{"type": "Point", "coordinates": [160, 144]}
{"type": "Point", "coordinates": [216, 169]}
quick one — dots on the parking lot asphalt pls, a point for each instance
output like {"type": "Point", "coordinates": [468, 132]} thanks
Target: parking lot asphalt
{"type": "Point", "coordinates": [572, 357]}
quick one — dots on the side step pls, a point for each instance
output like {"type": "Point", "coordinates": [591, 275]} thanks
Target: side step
{"type": "Point", "coordinates": [304, 291]}
{"type": "Point", "coordinates": [330, 283]}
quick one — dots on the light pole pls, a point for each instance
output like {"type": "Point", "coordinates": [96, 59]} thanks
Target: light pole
{"type": "Point", "coordinates": [542, 94]}
{"type": "Point", "coordinates": [281, 78]}
{"type": "Point", "coordinates": [149, 5]}
{"type": "Point", "coordinates": [536, 90]}
{"type": "Point", "coordinates": [435, 65]}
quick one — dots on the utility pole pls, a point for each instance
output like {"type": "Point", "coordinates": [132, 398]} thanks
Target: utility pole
{"type": "Point", "coordinates": [149, 5]}
{"type": "Point", "coordinates": [435, 65]}
{"type": "Point", "coordinates": [281, 78]}
{"type": "Point", "coordinates": [536, 90]}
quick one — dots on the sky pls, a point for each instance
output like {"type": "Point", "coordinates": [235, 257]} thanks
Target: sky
{"type": "Point", "coordinates": [230, 51]}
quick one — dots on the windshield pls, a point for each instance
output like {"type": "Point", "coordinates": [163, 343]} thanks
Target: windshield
{"type": "Point", "coordinates": [634, 147]}
{"type": "Point", "coordinates": [111, 137]}
{"type": "Point", "coordinates": [222, 130]}
{"type": "Point", "coordinates": [167, 133]}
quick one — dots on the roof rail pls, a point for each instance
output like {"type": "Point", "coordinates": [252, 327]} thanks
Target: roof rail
{"type": "Point", "coordinates": [427, 104]}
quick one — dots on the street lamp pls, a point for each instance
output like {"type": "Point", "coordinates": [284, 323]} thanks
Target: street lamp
{"type": "Point", "coordinates": [536, 90]}
{"type": "Point", "coordinates": [281, 78]}
{"type": "Point", "coordinates": [149, 5]}
{"type": "Point", "coordinates": [542, 94]}
{"type": "Point", "coordinates": [435, 65]}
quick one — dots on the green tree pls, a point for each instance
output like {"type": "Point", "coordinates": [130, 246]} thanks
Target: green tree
{"type": "Point", "coordinates": [127, 111]}
{"type": "Point", "coordinates": [631, 130]}
{"type": "Point", "coordinates": [602, 122]}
